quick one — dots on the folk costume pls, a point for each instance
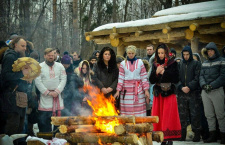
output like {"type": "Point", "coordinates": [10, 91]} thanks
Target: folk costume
{"type": "Point", "coordinates": [165, 101]}
{"type": "Point", "coordinates": [51, 79]}
{"type": "Point", "coordinates": [132, 83]}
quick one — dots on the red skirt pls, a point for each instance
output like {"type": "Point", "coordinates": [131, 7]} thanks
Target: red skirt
{"type": "Point", "coordinates": [169, 120]}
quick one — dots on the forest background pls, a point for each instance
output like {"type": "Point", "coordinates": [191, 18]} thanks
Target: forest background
{"type": "Point", "coordinates": [62, 23]}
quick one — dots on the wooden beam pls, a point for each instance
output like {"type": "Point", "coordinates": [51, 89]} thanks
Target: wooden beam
{"type": "Point", "coordinates": [223, 25]}
{"type": "Point", "coordinates": [113, 35]}
{"type": "Point", "coordinates": [116, 42]}
{"type": "Point", "coordinates": [89, 37]}
{"type": "Point", "coordinates": [189, 34]}
{"type": "Point", "coordinates": [194, 26]}
{"type": "Point", "coordinates": [120, 50]}
{"type": "Point", "coordinates": [218, 39]}
{"type": "Point", "coordinates": [102, 40]}
{"type": "Point", "coordinates": [139, 33]}
{"type": "Point", "coordinates": [194, 44]}
{"type": "Point", "coordinates": [166, 30]}
{"type": "Point", "coordinates": [179, 24]}
{"type": "Point", "coordinates": [211, 29]}
{"type": "Point", "coordinates": [156, 35]}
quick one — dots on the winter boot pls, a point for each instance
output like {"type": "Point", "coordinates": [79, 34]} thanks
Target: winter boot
{"type": "Point", "coordinates": [222, 137]}
{"type": "Point", "coordinates": [197, 137]}
{"type": "Point", "coordinates": [212, 137]}
{"type": "Point", "coordinates": [183, 134]}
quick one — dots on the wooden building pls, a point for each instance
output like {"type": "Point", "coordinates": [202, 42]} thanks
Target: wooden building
{"type": "Point", "coordinates": [193, 23]}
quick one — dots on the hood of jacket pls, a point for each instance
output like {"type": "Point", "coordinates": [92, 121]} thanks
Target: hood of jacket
{"type": "Point", "coordinates": [188, 49]}
{"type": "Point", "coordinates": [210, 45]}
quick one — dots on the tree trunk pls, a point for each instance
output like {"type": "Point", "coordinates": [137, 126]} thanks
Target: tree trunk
{"type": "Point", "coordinates": [114, 11]}
{"type": "Point", "coordinates": [75, 25]}
{"type": "Point", "coordinates": [54, 23]}
{"type": "Point", "coordinates": [125, 13]}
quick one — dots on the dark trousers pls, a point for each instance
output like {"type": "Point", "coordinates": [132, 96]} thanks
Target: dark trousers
{"type": "Point", "coordinates": [44, 121]}
{"type": "Point", "coordinates": [186, 102]}
{"type": "Point", "coordinates": [14, 123]}
{"type": "Point", "coordinates": [2, 122]}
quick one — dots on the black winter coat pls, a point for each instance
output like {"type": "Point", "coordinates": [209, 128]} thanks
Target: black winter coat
{"type": "Point", "coordinates": [171, 75]}
{"type": "Point", "coordinates": [213, 70]}
{"type": "Point", "coordinates": [189, 72]}
{"type": "Point", "coordinates": [103, 78]}
{"type": "Point", "coordinates": [10, 81]}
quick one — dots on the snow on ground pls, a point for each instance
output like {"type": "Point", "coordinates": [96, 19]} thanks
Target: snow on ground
{"type": "Point", "coordinates": [180, 13]}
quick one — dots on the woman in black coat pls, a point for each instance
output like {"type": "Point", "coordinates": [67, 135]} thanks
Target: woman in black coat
{"type": "Point", "coordinates": [106, 72]}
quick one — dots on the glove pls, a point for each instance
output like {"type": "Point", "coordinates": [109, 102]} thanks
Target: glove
{"type": "Point", "coordinates": [207, 88]}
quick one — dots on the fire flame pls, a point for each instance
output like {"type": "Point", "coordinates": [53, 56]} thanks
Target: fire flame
{"type": "Point", "coordinates": [102, 106]}
{"type": "Point", "coordinates": [100, 142]}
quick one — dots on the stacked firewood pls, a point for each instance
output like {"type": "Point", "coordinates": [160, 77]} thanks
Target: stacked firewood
{"type": "Point", "coordinates": [131, 130]}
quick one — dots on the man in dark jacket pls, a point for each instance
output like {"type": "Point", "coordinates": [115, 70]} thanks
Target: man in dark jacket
{"type": "Point", "coordinates": [189, 93]}
{"type": "Point", "coordinates": [12, 84]}
{"type": "Point", "coordinates": [150, 51]}
{"type": "Point", "coordinates": [212, 78]}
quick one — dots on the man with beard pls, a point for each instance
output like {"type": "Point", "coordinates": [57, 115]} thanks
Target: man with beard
{"type": "Point", "coordinates": [13, 85]}
{"type": "Point", "coordinates": [50, 83]}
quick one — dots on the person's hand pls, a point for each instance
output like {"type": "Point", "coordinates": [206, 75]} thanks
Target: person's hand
{"type": "Point", "coordinates": [207, 88]}
{"type": "Point", "coordinates": [186, 89]}
{"type": "Point", "coordinates": [104, 91]}
{"type": "Point", "coordinates": [159, 69]}
{"type": "Point", "coordinates": [109, 89]}
{"type": "Point", "coordinates": [147, 95]}
{"type": "Point", "coordinates": [117, 94]}
{"type": "Point", "coordinates": [53, 94]}
{"type": "Point", "coordinates": [162, 72]}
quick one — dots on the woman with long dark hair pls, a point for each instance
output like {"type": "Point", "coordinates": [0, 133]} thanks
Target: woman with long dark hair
{"type": "Point", "coordinates": [106, 72]}
{"type": "Point", "coordinates": [164, 75]}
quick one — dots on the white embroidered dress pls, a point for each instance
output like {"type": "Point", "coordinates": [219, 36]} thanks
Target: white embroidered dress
{"type": "Point", "coordinates": [132, 82]}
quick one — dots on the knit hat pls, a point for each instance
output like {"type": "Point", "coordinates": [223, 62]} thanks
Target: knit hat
{"type": "Point", "coordinates": [66, 59]}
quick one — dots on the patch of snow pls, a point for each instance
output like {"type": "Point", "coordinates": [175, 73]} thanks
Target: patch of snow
{"type": "Point", "coordinates": [197, 7]}
{"type": "Point", "coordinates": [215, 8]}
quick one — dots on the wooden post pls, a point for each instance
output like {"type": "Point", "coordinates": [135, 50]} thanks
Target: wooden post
{"type": "Point", "coordinates": [194, 44]}
{"type": "Point", "coordinates": [120, 50]}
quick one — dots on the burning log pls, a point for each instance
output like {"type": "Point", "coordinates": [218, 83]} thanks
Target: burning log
{"type": "Point", "coordinates": [87, 128]}
{"type": "Point", "coordinates": [158, 136]}
{"type": "Point", "coordinates": [73, 120]}
{"type": "Point", "coordinates": [133, 128]}
{"type": "Point", "coordinates": [82, 120]}
{"type": "Point", "coordinates": [147, 119]}
{"type": "Point", "coordinates": [94, 138]}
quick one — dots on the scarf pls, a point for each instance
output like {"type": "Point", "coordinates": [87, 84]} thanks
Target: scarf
{"type": "Point", "coordinates": [131, 60]}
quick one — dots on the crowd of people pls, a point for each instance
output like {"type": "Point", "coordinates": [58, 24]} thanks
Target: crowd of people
{"type": "Point", "coordinates": [181, 91]}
